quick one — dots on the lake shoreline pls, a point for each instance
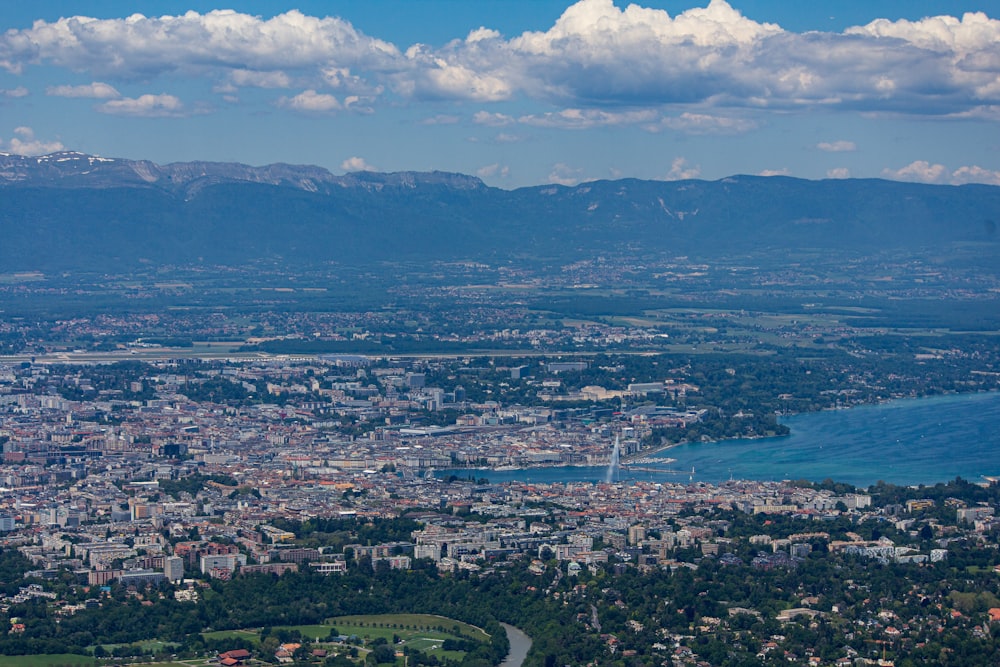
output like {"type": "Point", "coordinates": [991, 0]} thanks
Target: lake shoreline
{"type": "Point", "coordinates": [913, 440]}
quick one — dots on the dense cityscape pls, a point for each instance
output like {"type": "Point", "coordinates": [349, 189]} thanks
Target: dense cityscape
{"type": "Point", "coordinates": [534, 333]}
{"type": "Point", "coordinates": [168, 480]}
{"type": "Point", "coordinates": [264, 465]}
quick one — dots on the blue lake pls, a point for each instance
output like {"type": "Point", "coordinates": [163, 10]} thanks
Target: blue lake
{"type": "Point", "coordinates": [916, 441]}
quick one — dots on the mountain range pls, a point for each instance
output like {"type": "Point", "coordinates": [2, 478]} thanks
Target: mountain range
{"type": "Point", "coordinates": [71, 211]}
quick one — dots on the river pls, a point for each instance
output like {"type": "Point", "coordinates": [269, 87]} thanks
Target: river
{"type": "Point", "coordinates": [911, 441]}
{"type": "Point", "coordinates": [520, 643]}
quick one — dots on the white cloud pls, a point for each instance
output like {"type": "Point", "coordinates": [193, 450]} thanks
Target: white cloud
{"type": "Point", "coordinates": [579, 119]}
{"type": "Point", "coordinates": [432, 77]}
{"type": "Point", "coordinates": [358, 104]}
{"type": "Point", "coordinates": [356, 164]}
{"type": "Point", "coordinates": [596, 57]}
{"type": "Point", "coordinates": [147, 106]}
{"type": "Point", "coordinates": [441, 119]}
{"type": "Point", "coordinates": [96, 90]}
{"type": "Point", "coordinates": [700, 123]}
{"type": "Point", "coordinates": [775, 172]}
{"type": "Point", "coordinates": [975, 174]}
{"type": "Point", "coordinates": [479, 68]}
{"type": "Point", "coordinates": [25, 143]}
{"type": "Point", "coordinates": [973, 33]}
{"type": "Point", "coordinates": [20, 91]}
{"type": "Point", "coordinates": [492, 170]}
{"type": "Point", "coordinates": [838, 172]}
{"type": "Point", "coordinates": [311, 101]}
{"type": "Point", "coordinates": [492, 119]}
{"type": "Point", "coordinates": [346, 82]}
{"type": "Point", "coordinates": [563, 174]}
{"type": "Point", "coordinates": [508, 138]}
{"type": "Point", "coordinates": [680, 171]}
{"type": "Point", "coordinates": [596, 51]}
{"type": "Point", "coordinates": [837, 146]}
{"type": "Point", "coordinates": [140, 46]}
{"type": "Point", "coordinates": [921, 171]}
{"type": "Point", "coordinates": [481, 34]}
{"type": "Point", "coordinates": [246, 77]}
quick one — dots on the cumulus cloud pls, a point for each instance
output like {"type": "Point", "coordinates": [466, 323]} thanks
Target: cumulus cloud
{"type": "Point", "coordinates": [579, 119]}
{"type": "Point", "coordinates": [430, 76]}
{"type": "Point", "coordinates": [95, 90]}
{"type": "Point", "coordinates": [25, 143]}
{"type": "Point", "coordinates": [597, 51]}
{"type": "Point", "coordinates": [596, 56]}
{"type": "Point", "coordinates": [983, 112]}
{"type": "Point", "coordinates": [922, 171]}
{"type": "Point", "coordinates": [492, 119]}
{"type": "Point", "coordinates": [563, 174]}
{"type": "Point", "coordinates": [700, 123]}
{"type": "Point", "coordinates": [944, 34]}
{"type": "Point", "coordinates": [508, 138]}
{"type": "Point", "coordinates": [838, 172]}
{"type": "Point", "coordinates": [775, 172]}
{"type": "Point", "coordinates": [311, 101]}
{"type": "Point", "coordinates": [975, 174]}
{"type": "Point", "coordinates": [441, 119]}
{"type": "Point", "coordinates": [680, 171]}
{"type": "Point", "coordinates": [147, 106]}
{"type": "Point", "coordinates": [356, 164]}
{"type": "Point", "coordinates": [346, 82]}
{"type": "Point", "coordinates": [493, 170]}
{"type": "Point", "coordinates": [20, 91]}
{"type": "Point", "coordinates": [140, 46]}
{"type": "Point", "coordinates": [837, 146]}
{"type": "Point", "coordinates": [246, 77]}
{"type": "Point", "coordinates": [358, 104]}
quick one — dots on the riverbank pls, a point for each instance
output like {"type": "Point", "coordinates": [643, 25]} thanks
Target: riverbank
{"type": "Point", "coordinates": [520, 644]}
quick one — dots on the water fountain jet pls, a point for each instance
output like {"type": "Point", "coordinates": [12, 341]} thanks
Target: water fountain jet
{"type": "Point", "coordinates": [616, 455]}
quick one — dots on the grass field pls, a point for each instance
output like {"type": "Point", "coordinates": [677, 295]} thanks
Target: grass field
{"type": "Point", "coordinates": [73, 660]}
{"type": "Point", "coordinates": [312, 632]}
{"type": "Point", "coordinates": [251, 635]}
{"type": "Point", "coordinates": [418, 631]}
{"type": "Point", "coordinates": [55, 660]}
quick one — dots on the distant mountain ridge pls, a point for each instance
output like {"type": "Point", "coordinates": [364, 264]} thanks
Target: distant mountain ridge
{"type": "Point", "coordinates": [74, 169]}
{"type": "Point", "coordinates": [74, 211]}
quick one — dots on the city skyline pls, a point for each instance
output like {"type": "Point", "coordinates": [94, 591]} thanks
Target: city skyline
{"type": "Point", "coordinates": [516, 93]}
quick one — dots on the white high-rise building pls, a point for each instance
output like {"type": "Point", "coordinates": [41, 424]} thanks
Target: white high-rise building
{"type": "Point", "coordinates": [173, 568]}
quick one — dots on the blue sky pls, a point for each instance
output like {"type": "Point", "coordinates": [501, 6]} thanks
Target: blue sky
{"type": "Point", "coordinates": [519, 92]}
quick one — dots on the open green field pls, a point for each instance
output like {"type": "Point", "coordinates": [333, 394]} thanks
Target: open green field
{"type": "Point", "coordinates": [422, 632]}
{"type": "Point", "coordinates": [54, 660]}
{"type": "Point", "coordinates": [314, 633]}
{"type": "Point", "coordinates": [249, 635]}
